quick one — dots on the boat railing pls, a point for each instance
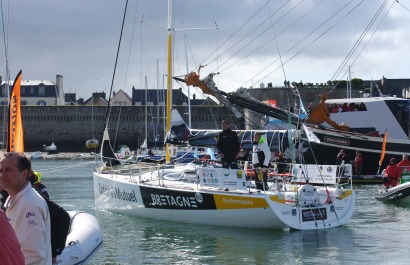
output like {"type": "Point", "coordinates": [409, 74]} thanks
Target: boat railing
{"type": "Point", "coordinates": [131, 170]}
{"type": "Point", "coordinates": [141, 172]}
{"type": "Point", "coordinates": [284, 173]}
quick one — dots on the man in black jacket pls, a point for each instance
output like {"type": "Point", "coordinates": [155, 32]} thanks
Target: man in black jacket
{"type": "Point", "coordinates": [228, 146]}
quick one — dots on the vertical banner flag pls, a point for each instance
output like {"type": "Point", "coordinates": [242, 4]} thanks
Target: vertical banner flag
{"type": "Point", "coordinates": [383, 148]}
{"type": "Point", "coordinates": [15, 139]}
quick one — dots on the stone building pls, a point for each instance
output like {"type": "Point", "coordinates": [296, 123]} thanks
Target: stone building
{"type": "Point", "coordinates": [37, 92]}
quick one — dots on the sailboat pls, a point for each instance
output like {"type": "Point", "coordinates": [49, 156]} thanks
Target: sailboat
{"type": "Point", "coordinates": [85, 237]}
{"type": "Point", "coordinates": [93, 142]}
{"type": "Point", "coordinates": [211, 195]}
{"type": "Point", "coordinates": [208, 194]}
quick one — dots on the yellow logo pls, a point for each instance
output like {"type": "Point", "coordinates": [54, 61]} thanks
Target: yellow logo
{"type": "Point", "coordinates": [239, 173]}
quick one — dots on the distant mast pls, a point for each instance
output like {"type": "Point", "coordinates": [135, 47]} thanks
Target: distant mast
{"type": "Point", "coordinates": [169, 77]}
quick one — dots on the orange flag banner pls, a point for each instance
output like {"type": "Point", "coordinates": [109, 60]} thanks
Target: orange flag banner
{"type": "Point", "coordinates": [383, 148]}
{"type": "Point", "coordinates": [15, 139]}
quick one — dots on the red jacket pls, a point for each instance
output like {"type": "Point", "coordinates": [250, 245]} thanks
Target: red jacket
{"type": "Point", "coordinates": [404, 163]}
{"type": "Point", "coordinates": [358, 161]}
{"type": "Point", "coordinates": [393, 171]}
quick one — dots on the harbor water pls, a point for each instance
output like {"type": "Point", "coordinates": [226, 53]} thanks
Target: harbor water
{"type": "Point", "coordinates": [377, 232]}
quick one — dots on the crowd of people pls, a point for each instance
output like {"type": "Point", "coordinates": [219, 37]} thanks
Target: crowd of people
{"type": "Point", "coordinates": [335, 108]}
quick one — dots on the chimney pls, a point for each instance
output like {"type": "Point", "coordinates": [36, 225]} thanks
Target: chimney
{"type": "Point", "coordinates": [60, 96]}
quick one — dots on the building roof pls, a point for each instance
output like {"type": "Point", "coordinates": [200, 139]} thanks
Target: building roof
{"type": "Point", "coordinates": [120, 93]}
{"type": "Point", "coordinates": [31, 82]}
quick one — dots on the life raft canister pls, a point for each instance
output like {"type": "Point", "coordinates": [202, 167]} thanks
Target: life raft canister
{"type": "Point", "coordinates": [308, 195]}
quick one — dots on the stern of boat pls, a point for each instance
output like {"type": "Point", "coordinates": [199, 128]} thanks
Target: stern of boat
{"type": "Point", "coordinates": [313, 207]}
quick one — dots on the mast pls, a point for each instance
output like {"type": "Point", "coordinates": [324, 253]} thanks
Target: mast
{"type": "Point", "coordinates": [158, 100]}
{"type": "Point", "coordinates": [146, 111]}
{"type": "Point", "coordinates": [169, 76]}
{"type": "Point", "coordinates": [350, 83]}
{"type": "Point", "coordinates": [189, 90]}
{"type": "Point", "coordinates": [92, 115]}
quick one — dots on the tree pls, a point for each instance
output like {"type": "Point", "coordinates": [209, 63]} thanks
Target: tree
{"type": "Point", "coordinates": [357, 84]}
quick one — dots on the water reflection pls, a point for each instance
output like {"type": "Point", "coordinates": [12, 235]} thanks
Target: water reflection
{"type": "Point", "coordinates": [377, 232]}
{"type": "Point", "coordinates": [169, 243]}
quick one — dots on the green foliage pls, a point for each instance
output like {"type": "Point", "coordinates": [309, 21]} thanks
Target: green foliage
{"type": "Point", "coordinates": [340, 84]}
{"type": "Point", "coordinates": [357, 84]}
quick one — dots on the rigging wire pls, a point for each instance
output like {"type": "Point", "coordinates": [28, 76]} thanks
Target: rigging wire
{"type": "Point", "coordinates": [5, 41]}
{"type": "Point", "coordinates": [407, 9]}
{"type": "Point", "coordinates": [277, 44]}
{"type": "Point", "coordinates": [365, 45]}
{"type": "Point", "coordinates": [233, 34]}
{"type": "Point", "coordinates": [217, 49]}
{"type": "Point", "coordinates": [271, 39]}
{"type": "Point", "coordinates": [108, 110]}
{"type": "Point", "coordinates": [247, 35]}
{"type": "Point", "coordinates": [7, 75]}
{"type": "Point", "coordinates": [309, 44]}
{"type": "Point", "coordinates": [359, 41]}
{"type": "Point", "coordinates": [183, 85]}
{"type": "Point", "coordinates": [62, 168]}
{"type": "Point", "coordinates": [131, 44]}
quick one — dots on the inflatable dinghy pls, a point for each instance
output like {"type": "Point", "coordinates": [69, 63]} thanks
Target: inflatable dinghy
{"type": "Point", "coordinates": [83, 241]}
{"type": "Point", "coordinates": [400, 193]}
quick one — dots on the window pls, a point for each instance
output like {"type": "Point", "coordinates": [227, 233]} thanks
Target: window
{"type": "Point", "coordinates": [41, 91]}
{"type": "Point", "coordinates": [41, 103]}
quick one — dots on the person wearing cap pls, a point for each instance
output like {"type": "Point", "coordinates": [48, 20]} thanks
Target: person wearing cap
{"type": "Point", "coordinates": [260, 160]}
{"type": "Point", "coordinates": [26, 209]}
{"type": "Point", "coordinates": [228, 146]}
{"type": "Point", "coordinates": [392, 174]}
{"type": "Point", "coordinates": [38, 185]}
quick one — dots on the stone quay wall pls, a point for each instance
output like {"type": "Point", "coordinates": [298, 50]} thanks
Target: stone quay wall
{"type": "Point", "coordinates": [69, 127]}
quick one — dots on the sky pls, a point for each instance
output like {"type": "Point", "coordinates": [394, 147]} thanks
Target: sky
{"type": "Point", "coordinates": [248, 42]}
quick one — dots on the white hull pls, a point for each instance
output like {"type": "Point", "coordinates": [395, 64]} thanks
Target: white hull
{"type": "Point", "coordinates": [236, 207]}
{"type": "Point", "coordinates": [83, 241]}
